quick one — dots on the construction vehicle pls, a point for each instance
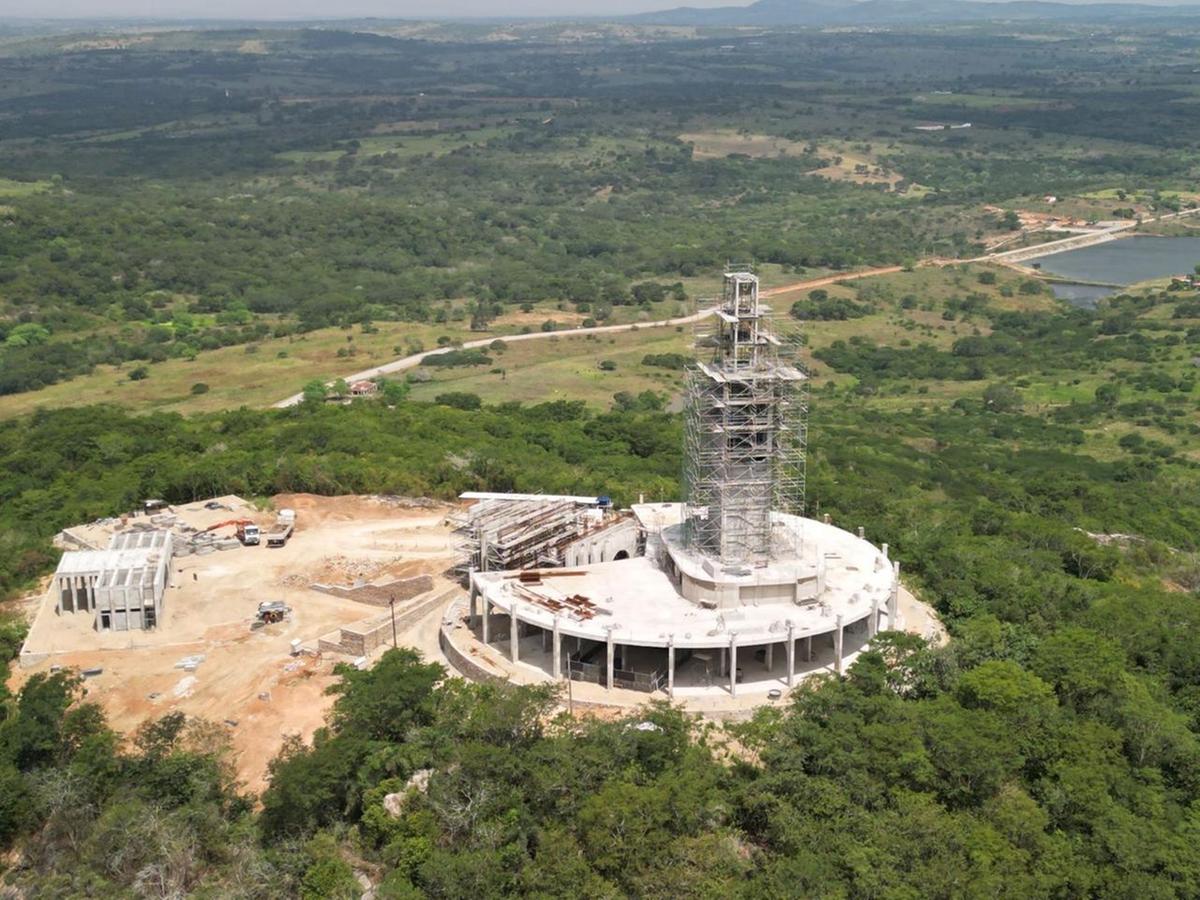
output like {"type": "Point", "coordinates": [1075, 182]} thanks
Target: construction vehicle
{"type": "Point", "coordinates": [247, 532]}
{"type": "Point", "coordinates": [271, 611]}
{"type": "Point", "coordinates": [285, 524]}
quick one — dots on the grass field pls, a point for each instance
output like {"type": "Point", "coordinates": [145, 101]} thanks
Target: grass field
{"type": "Point", "coordinates": [716, 144]}
{"type": "Point", "coordinates": [235, 377]}
{"type": "Point", "coordinates": [568, 368]}
{"type": "Point", "coordinates": [909, 311]}
{"type": "Point", "coordinates": [10, 188]}
{"type": "Point", "coordinates": [985, 101]}
{"type": "Point", "coordinates": [406, 146]}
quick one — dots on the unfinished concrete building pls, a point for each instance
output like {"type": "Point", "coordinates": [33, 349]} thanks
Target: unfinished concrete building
{"type": "Point", "coordinates": [731, 590]}
{"type": "Point", "coordinates": [121, 587]}
{"type": "Point", "coordinates": [521, 531]}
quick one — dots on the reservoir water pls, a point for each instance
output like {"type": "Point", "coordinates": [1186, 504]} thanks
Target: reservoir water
{"type": "Point", "coordinates": [1122, 261]}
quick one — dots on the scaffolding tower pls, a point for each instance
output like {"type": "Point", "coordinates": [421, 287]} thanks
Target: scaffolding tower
{"type": "Point", "coordinates": [745, 430]}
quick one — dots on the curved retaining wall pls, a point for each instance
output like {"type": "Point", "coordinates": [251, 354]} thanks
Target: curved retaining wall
{"type": "Point", "coordinates": [468, 668]}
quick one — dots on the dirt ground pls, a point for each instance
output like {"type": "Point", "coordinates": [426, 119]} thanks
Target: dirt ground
{"type": "Point", "coordinates": [248, 678]}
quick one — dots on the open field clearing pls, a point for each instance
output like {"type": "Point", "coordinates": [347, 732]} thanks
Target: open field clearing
{"type": "Point", "coordinates": [717, 144]}
{"type": "Point", "coordinates": [568, 368]}
{"type": "Point", "coordinates": [12, 189]}
{"type": "Point", "coordinates": [1001, 102]}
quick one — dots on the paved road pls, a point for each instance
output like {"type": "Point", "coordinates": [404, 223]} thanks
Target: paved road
{"type": "Point", "coordinates": [410, 362]}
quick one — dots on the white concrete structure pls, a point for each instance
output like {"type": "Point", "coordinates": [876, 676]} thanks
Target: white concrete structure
{"type": "Point", "coordinates": [708, 590]}
{"type": "Point", "coordinates": [634, 622]}
{"type": "Point", "coordinates": [122, 586]}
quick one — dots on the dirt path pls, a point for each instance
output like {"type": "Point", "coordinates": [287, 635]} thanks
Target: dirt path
{"type": "Point", "coordinates": [410, 362]}
{"type": "Point", "coordinates": [414, 360]}
{"type": "Point", "coordinates": [829, 279]}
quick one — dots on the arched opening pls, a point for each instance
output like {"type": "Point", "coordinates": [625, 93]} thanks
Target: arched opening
{"type": "Point", "coordinates": [622, 554]}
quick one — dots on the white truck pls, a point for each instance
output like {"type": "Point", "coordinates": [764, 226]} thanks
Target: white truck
{"type": "Point", "coordinates": [285, 524]}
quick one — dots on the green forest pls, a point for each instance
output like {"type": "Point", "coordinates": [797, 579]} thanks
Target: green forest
{"type": "Point", "coordinates": [1032, 465]}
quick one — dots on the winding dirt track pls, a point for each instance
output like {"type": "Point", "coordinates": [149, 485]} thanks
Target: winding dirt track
{"type": "Point", "coordinates": [409, 362]}
{"type": "Point", "coordinates": [414, 360]}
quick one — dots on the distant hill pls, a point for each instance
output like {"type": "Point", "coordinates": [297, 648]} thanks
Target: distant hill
{"type": "Point", "coordinates": [911, 12]}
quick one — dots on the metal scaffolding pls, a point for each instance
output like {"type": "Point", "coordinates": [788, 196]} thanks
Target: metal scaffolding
{"type": "Point", "coordinates": [745, 430]}
{"type": "Point", "coordinates": [517, 534]}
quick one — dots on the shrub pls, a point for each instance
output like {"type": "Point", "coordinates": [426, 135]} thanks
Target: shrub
{"type": "Point", "coordinates": [459, 400]}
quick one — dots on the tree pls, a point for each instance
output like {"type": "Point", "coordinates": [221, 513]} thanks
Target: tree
{"type": "Point", "coordinates": [1107, 395]}
{"type": "Point", "coordinates": [315, 392]}
{"type": "Point", "coordinates": [33, 737]}
{"type": "Point", "coordinates": [1083, 667]}
{"type": "Point", "coordinates": [394, 392]}
{"type": "Point", "coordinates": [459, 400]}
{"type": "Point", "coordinates": [386, 700]}
{"type": "Point", "coordinates": [27, 334]}
{"type": "Point", "coordinates": [1002, 398]}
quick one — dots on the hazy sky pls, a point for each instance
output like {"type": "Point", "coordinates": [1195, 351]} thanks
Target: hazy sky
{"type": "Point", "coordinates": [300, 9]}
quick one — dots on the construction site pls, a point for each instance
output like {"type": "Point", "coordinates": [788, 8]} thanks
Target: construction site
{"type": "Point", "coordinates": [723, 601]}
{"type": "Point", "coordinates": [189, 608]}
{"type": "Point", "coordinates": [239, 612]}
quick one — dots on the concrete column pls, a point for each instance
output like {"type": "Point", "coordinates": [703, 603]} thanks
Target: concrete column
{"type": "Point", "coordinates": [487, 617]}
{"type": "Point", "coordinates": [671, 667]}
{"type": "Point", "coordinates": [733, 665]}
{"type": "Point", "coordinates": [894, 597]}
{"type": "Point", "coordinates": [514, 631]}
{"type": "Point", "coordinates": [721, 663]}
{"type": "Point", "coordinates": [557, 651]}
{"type": "Point", "coordinates": [862, 533]}
{"type": "Point", "coordinates": [474, 597]}
{"type": "Point", "coordinates": [545, 640]}
{"type": "Point", "coordinates": [791, 655]}
{"type": "Point", "coordinates": [837, 647]}
{"type": "Point", "coordinates": [808, 649]}
{"type": "Point", "coordinates": [873, 622]}
{"type": "Point", "coordinates": [884, 549]}
{"type": "Point", "coordinates": [610, 659]}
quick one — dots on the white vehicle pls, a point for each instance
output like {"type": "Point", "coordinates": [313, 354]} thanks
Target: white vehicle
{"type": "Point", "coordinates": [285, 524]}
